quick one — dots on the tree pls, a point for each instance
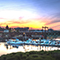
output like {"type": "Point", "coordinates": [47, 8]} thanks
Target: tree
{"type": "Point", "coordinates": [7, 27]}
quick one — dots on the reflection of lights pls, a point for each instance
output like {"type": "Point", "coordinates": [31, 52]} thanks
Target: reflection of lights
{"type": "Point", "coordinates": [24, 33]}
{"type": "Point", "coordinates": [47, 37]}
{"type": "Point", "coordinates": [3, 49]}
{"type": "Point", "coordinates": [57, 39]}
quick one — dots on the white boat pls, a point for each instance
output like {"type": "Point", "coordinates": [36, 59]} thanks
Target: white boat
{"type": "Point", "coordinates": [16, 42]}
{"type": "Point", "coordinates": [53, 42]}
{"type": "Point", "coordinates": [47, 42]}
{"type": "Point", "coordinates": [42, 42]}
{"type": "Point", "coordinates": [28, 42]}
{"type": "Point", "coordinates": [36, 42]}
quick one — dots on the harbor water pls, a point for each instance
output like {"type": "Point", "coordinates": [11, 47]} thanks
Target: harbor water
{"type": "Point", "coordinates": [25, 48]}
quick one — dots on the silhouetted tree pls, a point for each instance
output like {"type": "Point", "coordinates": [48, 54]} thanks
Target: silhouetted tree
{"type": "Point", "coordinates": [7, 27]}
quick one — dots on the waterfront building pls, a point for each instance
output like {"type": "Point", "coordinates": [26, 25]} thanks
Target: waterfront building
{"type": "Point", "coordinates": [6, 30]}
{"type": "Point", "coordinates": [22, 29]}
{"type": "Point", "coordinates": [50, 30]}
{"type": "Point", "coordinates": [1, 29]}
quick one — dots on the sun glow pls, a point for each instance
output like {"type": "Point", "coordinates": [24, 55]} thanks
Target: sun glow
{"type": "Point", "coordinates": [12, 18]}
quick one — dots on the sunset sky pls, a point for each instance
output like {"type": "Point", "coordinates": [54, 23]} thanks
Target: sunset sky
{"type": "Point", "coordinates": [30, 13]}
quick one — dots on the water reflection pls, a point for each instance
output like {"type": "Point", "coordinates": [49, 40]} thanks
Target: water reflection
{"type": "Point", "coordinates": [4, 50]}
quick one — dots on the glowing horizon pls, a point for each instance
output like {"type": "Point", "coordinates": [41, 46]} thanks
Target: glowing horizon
{"type": "Point", "coordinates": [33, 14]}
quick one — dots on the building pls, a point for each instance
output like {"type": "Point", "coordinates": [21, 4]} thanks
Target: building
{"type": "Point", "coordinates": [22, 29]}
{"type": "Point", "coordinates": [35, 30]}
{"type": "Point", "coordinates": [6, 30]}
{"type": "Point", "coordinates": [1, 29]}
{"type": "Point", "coordinates": [50, 30]}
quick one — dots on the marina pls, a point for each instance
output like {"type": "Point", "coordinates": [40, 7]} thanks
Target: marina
{"type": "Point", "coordinates": [12, 47]}
{"type": "Point", "coordinates": [29, 29]}
{"type": "Point", "coordinates": [41, 42]}
{"type": "Point", "coordinates": [25, 41]}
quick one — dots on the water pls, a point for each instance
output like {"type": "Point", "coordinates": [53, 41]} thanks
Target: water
{"type": "Point", "coordinates": [4, 50]}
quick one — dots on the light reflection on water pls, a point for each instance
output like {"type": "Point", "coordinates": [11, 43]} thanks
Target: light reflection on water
{"type": "Point", "coordinates": [4, 50]}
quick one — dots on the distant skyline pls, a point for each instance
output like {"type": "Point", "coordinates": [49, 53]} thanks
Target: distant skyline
{"type": "Point", "coordinates": [30, 13]}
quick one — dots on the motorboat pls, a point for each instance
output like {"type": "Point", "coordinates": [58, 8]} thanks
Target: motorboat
{"type": "Point", "coordinates": [37, 42]}
{"type": "Point", "coordinates": [28, 42]}
{"type": "Point", "coordinates": [53, 42]}
{"type": "Point", "coordinates": [42, 42]}
{"type": "Point", "coordinates": [16, 42]}
{"type": "Point", "coordinates": [47, 42]}
{"type": "Point", "coordinates": [58, 42]}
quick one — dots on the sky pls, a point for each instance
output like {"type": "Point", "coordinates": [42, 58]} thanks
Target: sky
{"type": "Point", "coordinates": [30, 13]}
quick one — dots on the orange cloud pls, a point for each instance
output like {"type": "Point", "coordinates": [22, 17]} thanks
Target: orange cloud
{"type": "Point", "coordinates": [32, 23]}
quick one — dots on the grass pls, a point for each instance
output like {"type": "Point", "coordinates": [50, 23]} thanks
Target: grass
{"type": "Point", "coordinates": [33, 55]}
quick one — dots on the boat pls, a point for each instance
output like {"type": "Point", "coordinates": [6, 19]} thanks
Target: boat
{"type": "Point", "coordinates": [42, 42]}
{"type": "Point", "coordinates": [16, 42]}
{"type": "Point", "coordinates": [37, 42]}
{"type": "Point", "coordinates": [52, 42]}
{"type": "Point", "coordinates": [47, 42]}
{"type": "Point", "coordinates": [28, 42]}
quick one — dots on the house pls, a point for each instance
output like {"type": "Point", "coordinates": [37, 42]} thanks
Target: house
{"type": "Point", "coordinates": [6, 30]}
